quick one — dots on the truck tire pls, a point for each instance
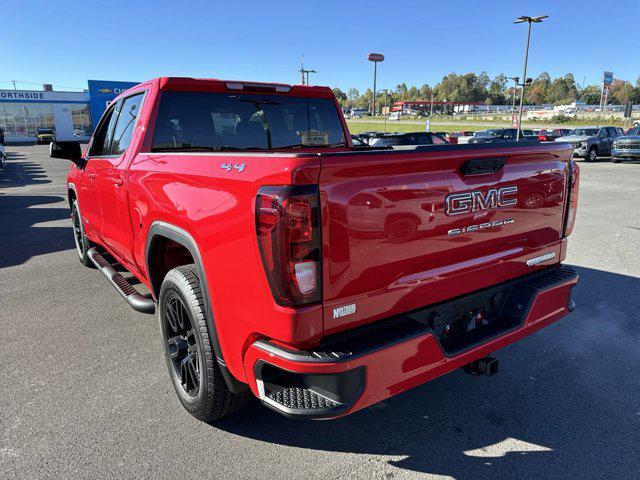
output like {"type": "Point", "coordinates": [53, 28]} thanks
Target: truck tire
{"type": "Point", "coordinates": [192, 365]}
{"type": "Point", "coordinates": [592, 154]}
{"type": "Point", "coordinates": [82, 242]}
{"type": "Point", "coordinates": [401, 230]}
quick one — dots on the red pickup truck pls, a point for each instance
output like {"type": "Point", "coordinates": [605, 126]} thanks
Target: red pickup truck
{"type": "Point", "coordinates": [320, 277]}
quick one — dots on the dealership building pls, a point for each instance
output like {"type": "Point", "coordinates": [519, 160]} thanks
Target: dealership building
{"type": "Point", "coordinates": [70, 115]}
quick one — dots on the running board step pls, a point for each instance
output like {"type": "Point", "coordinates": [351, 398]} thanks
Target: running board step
{"type": "Point", "coordinates": [129, 293]}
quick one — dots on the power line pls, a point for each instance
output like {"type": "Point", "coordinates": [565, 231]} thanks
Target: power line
{"type": "Point", "coordinates": [33, 83]}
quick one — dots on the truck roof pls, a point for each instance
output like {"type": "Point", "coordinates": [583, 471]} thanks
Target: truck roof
{"type": "Point", "coordinates": [189, 84]}
{"type": "Point", "coordinates": [216, 84]}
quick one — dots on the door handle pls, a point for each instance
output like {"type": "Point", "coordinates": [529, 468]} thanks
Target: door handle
{"type": "Point", "coordinates": [118, 182]}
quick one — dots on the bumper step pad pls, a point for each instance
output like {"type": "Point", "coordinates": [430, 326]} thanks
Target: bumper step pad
{"type": "Point", "coordinates": [135, 300]}
{"type": "Point", "coordinates": [297, 398]}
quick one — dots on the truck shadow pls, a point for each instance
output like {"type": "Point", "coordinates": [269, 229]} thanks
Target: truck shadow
{"type": "Point", "coordinates": [563, 406]}
{"type": "Point", "coordinates": [19, 173]}
{"type": "Point", "coordinates": [20, 236]}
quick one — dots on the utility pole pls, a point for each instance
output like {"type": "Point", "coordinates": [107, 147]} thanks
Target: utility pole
{"type": "Point", "coordinates": [303, 72]}
{"type": "Point", "coordinates": [529, 21]}
{"type": "Point", "coordinates": [14, 84]}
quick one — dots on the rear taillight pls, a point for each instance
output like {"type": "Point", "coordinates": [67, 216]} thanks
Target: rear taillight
{"type": "Point", "coordinates": [572, 198]}
{"type": "Point", "coordinates": [288, 230]}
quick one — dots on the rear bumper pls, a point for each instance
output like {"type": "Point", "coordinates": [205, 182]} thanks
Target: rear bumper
{"type": "Point", "coordinates": [358, 368]}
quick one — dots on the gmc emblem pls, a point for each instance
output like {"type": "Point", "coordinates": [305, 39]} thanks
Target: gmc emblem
{"type": "Point", "coordinates": [460, 203]}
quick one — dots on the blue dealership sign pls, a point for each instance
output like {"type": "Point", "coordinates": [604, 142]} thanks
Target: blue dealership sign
{"type": "Point", "coordinates": [102, 93]}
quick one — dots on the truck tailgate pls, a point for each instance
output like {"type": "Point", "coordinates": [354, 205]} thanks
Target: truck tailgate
{"type": "Point", "coordinates": [391, 244]}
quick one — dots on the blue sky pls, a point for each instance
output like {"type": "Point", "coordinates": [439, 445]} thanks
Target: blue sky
{"type": "Point", "coordinates": [68, 42]}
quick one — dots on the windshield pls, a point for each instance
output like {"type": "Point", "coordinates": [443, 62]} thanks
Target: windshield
{"type": "Point", "coordinates": [584, 131]}
{"type": "Point", "coordinates": [200, 121]}
{"type": "Point", "coordinates": [45, 131]}
{"type": "Point", "coordinates": [489, 133]}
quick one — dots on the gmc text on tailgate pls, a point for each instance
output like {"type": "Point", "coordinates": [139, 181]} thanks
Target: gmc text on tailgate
{"type": "Point", "coordinates": [322, 278]}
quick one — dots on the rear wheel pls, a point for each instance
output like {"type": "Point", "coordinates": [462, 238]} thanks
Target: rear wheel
{"type": "Point", "coordinates": [401, 230]}
{"type": "Point", "coordinates": [592, 154]}
{"type": "Point", "coordinates": [193, 368]}
{"type": "Point", "coordinates": [82, 242]}
{"type": "Point", "coordinates": [616, 160]}
{"type": "Point", "coordinates": [535, 200]}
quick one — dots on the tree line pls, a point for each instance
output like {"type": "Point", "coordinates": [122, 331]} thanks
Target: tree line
{"type": "Point", "coordinates": [497, 91]}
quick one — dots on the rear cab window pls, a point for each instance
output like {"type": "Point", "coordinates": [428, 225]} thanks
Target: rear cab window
{"type": "Point", "coordinates": [208, 121]}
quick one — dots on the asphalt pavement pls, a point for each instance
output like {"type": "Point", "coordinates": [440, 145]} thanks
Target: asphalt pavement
{"type": "Point", "coordinates": [84, 391]}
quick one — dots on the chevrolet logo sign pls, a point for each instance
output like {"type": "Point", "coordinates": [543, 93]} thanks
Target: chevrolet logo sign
{"type": "Point", "coordinates": [105, 90]}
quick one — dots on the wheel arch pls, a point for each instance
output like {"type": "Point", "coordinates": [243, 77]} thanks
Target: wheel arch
{"type": "Point", "coordinates": [160, 232]}
{"type": "Point", "coordinates": [72, 193]}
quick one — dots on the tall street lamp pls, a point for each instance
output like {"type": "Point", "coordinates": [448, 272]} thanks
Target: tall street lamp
{"type": "Point", "coordinates": [375, 58]}
{"type": "Point", "coordinates": [515, 87]}
{"type": "Point", "coordinates": [529, 21]}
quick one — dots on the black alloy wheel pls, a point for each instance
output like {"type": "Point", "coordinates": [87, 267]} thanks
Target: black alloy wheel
{"type": "Point", "coordinates": [182, 344]}
{"type": "Point", "coordinates": [193, 367]}
{"type": "Point", "coordinates": [82, 242]}
{"type": "Point", "coordinates": [77, 233]}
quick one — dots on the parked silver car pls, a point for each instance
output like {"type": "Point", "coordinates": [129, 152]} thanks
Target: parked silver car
{"type": "Point", "coordinates": [590, 142]}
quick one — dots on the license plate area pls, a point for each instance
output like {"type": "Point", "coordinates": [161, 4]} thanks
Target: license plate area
{"type": "Point", "coordinates": [461, 323]}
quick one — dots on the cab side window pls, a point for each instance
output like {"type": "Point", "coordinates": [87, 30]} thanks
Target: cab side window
{"type": "Point", "coordinates": [127, 117]}
{"type": "Point", "coordinates": [102, 137]}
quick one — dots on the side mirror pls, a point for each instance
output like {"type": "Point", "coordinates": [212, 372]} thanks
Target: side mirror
{"type": "Point", "coordinates": [67, 151]}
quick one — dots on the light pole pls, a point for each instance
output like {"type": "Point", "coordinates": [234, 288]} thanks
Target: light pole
{"type": "Point", "coordinates": [386, 92]}
{"type": "Point", "coordinates": [431, 102]}
{"type": "Point", "coordinates": [375, 58]}
{"type": "Point", "coordinates": [529, 21]}
{"type": "Point", "coordinates": [515, 87]}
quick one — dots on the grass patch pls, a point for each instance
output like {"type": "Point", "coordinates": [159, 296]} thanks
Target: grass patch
{"type": "Point", "coordinates": [359, 127]}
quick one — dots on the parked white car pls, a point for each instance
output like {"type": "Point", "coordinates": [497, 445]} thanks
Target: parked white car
{"type": "Point", "coordinates": [462, 139]}
{"type": "Point", "coordinates": [358, 112]}
{"type": "Point", "coordinates": [395, 116]}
